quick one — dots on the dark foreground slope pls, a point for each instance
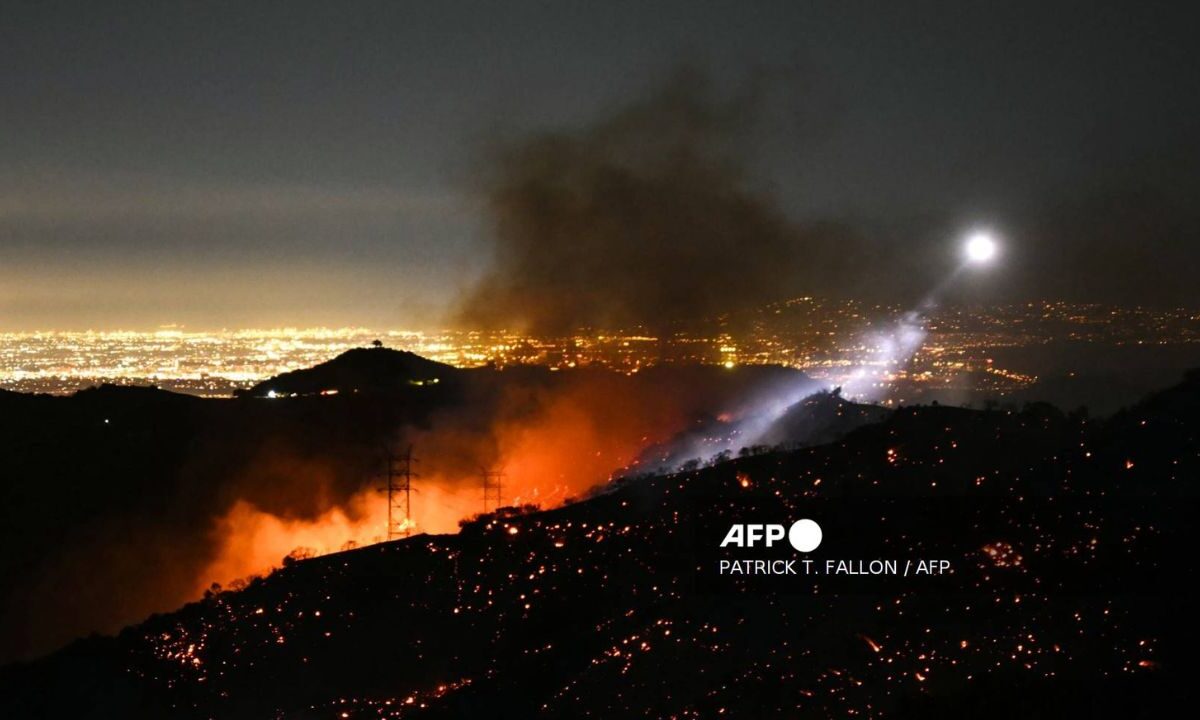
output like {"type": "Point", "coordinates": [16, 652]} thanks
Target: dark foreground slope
{"type": "Point", "coordinates": [1071, 543]}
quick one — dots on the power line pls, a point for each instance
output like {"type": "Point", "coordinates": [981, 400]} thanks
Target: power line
{"type": "Point", "coordinates": [399, 493]}
{"type": "Point", "coordinates": [493, 488]}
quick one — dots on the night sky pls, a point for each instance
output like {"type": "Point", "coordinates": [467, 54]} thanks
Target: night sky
{"type": "Point", "coordinates": [304, 163]}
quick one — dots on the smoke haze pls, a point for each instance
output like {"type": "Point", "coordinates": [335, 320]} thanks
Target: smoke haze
{"type": "Point", "coordinates": [645, 218]}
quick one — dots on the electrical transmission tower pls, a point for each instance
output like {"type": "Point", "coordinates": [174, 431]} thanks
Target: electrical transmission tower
{"type": "Point", "coordinates": [493, 488]}
{"type": "Point", "coordinates": [399, 493]}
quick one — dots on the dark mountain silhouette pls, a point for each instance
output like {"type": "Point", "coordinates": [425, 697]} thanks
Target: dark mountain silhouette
{"type": "Point", "coordinates": [1180, 401]}
{"type": "Point", "coordinates": [375, 369]}
{"type": "Point", "coordinates": [820, 418]}
{"type": "Point", "coordinates": [1071, 543]}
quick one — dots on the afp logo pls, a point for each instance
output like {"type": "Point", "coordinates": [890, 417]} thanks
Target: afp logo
{"type": "Point", "coordinates": [804, 535]}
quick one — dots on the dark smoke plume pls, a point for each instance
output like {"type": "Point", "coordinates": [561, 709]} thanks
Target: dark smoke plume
{"type": "Point", "coordinates": [645, 218]}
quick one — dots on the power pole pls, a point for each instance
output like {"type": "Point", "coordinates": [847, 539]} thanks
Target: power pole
{"type": "Point", "coordinates": [493, 488]}
{"type": "Point", "coordinates": [399, 493]}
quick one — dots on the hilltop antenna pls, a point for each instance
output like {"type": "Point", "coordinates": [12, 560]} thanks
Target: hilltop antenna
{"type": "Point", "coordinates": [493, 488]}
{"type": "Point", "coordinates": [399, 493]}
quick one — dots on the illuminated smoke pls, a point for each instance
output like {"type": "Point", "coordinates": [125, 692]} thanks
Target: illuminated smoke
{"type": "Point", "coordinates": [887, 353]}
{"type": "Point", "coordinates": [250, 541]}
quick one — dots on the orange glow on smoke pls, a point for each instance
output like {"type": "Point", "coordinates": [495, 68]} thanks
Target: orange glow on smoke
{"type": "Point", "coordinates": [574, 438]}
{"type": "Point", "coordinates": [562, 452]}
{"type": "Point", "coordinates": [252, 541]}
